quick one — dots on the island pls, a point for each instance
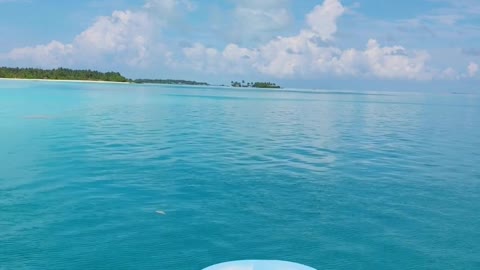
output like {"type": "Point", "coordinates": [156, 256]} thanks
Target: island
{"type": "Point", "coordinates": [60, 74]}
{"type": "Point", "coordinates": [86, 75]}
{"type": "Point", "coordinates": [255, 84]}
{"type": "Point", "coordinates": [65, 74]}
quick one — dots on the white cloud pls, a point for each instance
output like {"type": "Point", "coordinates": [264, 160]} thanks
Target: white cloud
{"type": "Point", "coordinates": [52, 54]}
{"type": "Point", "coordinates": [472, 69]}
{"type": "Point", "coordinates": [304, 55]}
{"type": "Point", "coordinates": [452, 74]}
{"type": "Point", "coordinates": [124, 33]}
{"type": "Point", "coordinates": [202, 58]}
{"type": "Point", "coordinates": [395, 62]}
{"type": "Point", "coordinates": [296, 55]}
{"type": "Point", "coordinates": [323, 19]}
{"type": "Point", "coordinates": [449, 73]}
{"type": "Point", "coordinates": [131, 37]}
{"type": "Point", "coordinates": [124, 37]}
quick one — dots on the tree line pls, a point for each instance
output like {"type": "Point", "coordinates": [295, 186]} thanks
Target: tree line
{"type": "Point", "coordinates": [169, 81]}
{"type": "Point", "coordinates": [92, 75]}
{"type": "Point", "coordinates": [60, 74]}
{"type": "Point", "coordinates": [254, 84]}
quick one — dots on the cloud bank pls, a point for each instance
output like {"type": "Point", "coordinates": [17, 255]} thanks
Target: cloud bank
{"type": "Point", "coordinates": [123, 38]}
{"type": "Point", "coordinates": [307, 55]}
{"type": "Point", "coordinates": [135, 38]}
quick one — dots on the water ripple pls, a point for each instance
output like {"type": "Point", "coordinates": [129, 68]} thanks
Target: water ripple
{"type": "Point", "coordinates": [332, 180]}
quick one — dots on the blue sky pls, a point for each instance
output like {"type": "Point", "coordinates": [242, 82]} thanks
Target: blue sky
{"type": "Point", "coordinates": [307, 43]}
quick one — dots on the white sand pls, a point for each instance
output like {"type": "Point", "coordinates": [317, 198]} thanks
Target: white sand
{"type": "Point", "coordinates": [49, 80]}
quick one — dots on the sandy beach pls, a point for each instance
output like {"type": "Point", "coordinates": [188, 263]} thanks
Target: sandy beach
{"type": "Point", "coordinates": [51, 80]}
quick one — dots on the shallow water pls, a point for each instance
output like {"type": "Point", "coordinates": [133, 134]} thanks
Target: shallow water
{"type": "Point", "coordinates": [334, 180]}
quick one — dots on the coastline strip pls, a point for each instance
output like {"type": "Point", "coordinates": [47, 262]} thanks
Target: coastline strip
{"type": "Point", "coordinates": [52, 80]}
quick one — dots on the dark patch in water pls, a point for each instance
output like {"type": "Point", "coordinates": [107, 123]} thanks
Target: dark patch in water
{"type": "Point", "coordinates": [37, 117]}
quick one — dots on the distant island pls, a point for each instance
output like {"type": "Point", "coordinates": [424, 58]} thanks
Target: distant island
{"type": "Point", "coordinates": [255, 84]}
{"type": "Point", "coordinates": [169, 81]}
{"type": "Point", "coordinates": [66, 74]}
{"type": "Point", "coordinates": [61, 74]}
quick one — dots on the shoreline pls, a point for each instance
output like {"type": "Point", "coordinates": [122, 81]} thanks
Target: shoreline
{"type": "Point", "coordinates": [53, 80]}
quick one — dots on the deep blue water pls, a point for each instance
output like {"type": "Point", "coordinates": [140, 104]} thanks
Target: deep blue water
{"type": "Point", "coordinates": [334, 180]}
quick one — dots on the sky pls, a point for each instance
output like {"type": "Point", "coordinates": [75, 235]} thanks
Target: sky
{"type": "Point", "coordinates": [422, 44]}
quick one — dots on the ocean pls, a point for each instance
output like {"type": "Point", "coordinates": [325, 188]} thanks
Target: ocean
{"type": "Point", "coordinates": [108, 176]}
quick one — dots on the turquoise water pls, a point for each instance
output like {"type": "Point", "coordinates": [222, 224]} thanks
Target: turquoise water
{"type": "Point", "coordinates": [334, 180]}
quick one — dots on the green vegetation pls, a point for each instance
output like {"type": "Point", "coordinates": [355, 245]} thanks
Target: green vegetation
{"type": "Point", "coordinates": [168, 81]}
{"type": "Point", "coordinates": [255, 84]}
{"type": "Point", "coordinates": [80, 75]}
{"type": "Point", "coordinates": [60, 74]}
{"type": "Point", "coordinates": [91, 75]}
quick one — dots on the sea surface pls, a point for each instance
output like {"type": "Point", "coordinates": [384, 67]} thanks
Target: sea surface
{"type": "Point", "coordinates": [330, 179]}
